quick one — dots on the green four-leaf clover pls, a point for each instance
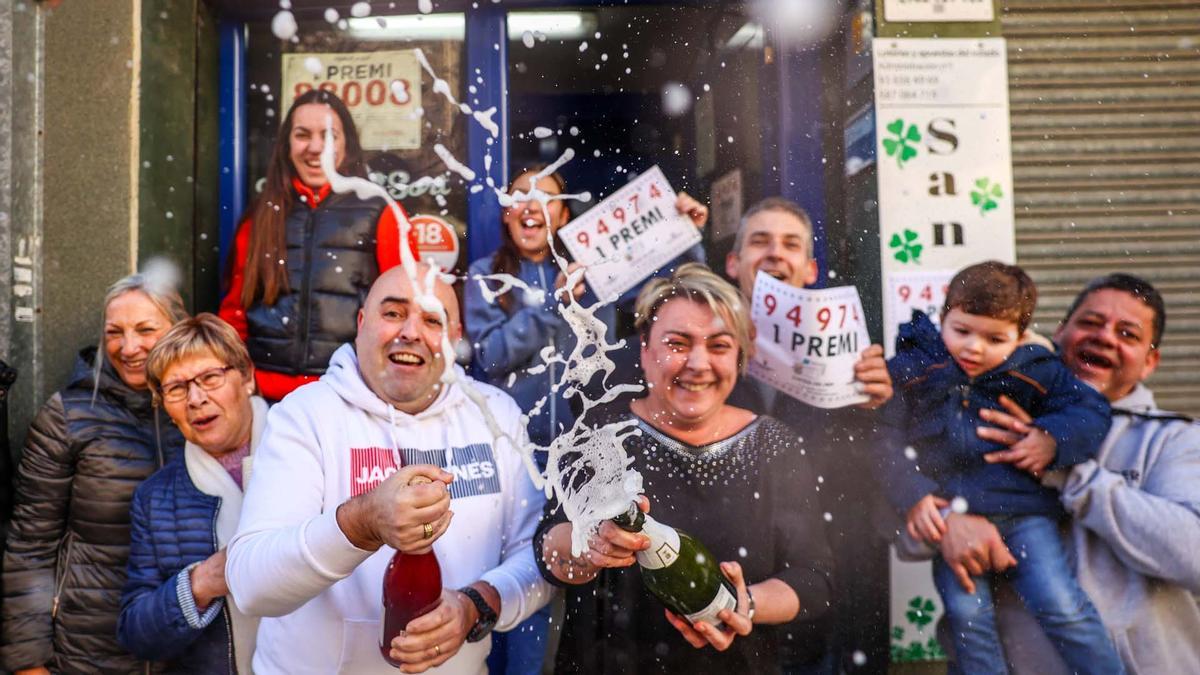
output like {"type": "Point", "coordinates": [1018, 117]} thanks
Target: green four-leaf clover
{"type": "Point", "coordinates": [920, 611]}
{"type": "Point", "coordinates": [908, 249]}
{"type": "Point", "coordinates": [899, 147]}
{"type": "Point", "coordinates": [985, 195]}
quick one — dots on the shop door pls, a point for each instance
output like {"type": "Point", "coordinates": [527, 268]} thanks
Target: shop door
{"type": "Point", "coordinates": [371, 63]}
{"type": "Point", "coordinates": [632, 87]}
{"type": "Point", "coordinates": [685, 86]}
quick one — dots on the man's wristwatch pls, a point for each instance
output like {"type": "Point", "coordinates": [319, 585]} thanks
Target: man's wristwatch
{"type": "Point", "coordinates": [487, 616]}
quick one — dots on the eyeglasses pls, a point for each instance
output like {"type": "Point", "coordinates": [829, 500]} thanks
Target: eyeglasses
{"type": "Point", "coordinates": [209, 380]}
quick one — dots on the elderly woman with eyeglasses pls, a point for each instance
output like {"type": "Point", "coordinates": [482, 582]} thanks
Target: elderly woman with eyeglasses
{"type": "Point", "coordinates": [176, 607]}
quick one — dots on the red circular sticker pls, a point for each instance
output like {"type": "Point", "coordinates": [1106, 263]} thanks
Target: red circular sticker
{"type": "Point", "coordinates": [436, 240]}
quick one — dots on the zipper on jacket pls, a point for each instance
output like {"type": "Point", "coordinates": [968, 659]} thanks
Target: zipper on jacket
{"type": "Point", "coordinates": [158, 438]}
{"type": "Point", "coordinates": [306, 286]}
{"type": "Point", "coordinates": [64, 567]}
{"type": "Point", "coordinates": [229, 629]}
{"type": "Point", "coordinates": [225, 613]}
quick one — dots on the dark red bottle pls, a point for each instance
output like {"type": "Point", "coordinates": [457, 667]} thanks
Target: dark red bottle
{"type": "Point", "coordinates": [412, 586]}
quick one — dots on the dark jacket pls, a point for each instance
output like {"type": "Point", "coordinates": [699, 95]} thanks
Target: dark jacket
{"type": "Point", "coordinates": [174, 525]}
{"type": "Point", "coordinates": [331, 263]}
{"type": "Point", "coordinates": [838, 445]}
{"type": "Point", "coordinates": [69, 537]}
{"type": "Point", "coordinates": [936, 411]}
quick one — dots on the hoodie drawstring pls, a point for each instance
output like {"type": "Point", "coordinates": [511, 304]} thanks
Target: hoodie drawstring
{"type": "Point", "coordinates": [396, 456]}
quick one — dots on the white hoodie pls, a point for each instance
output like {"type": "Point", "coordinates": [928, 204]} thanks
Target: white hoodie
{"type": "Point", "coordinates": [332, 440]}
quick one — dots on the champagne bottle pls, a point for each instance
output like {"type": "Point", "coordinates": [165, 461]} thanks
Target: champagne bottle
{"type": "Point", "coordinates": [412, 587]}
{"type": "Point", "coordinates": [679, 570]}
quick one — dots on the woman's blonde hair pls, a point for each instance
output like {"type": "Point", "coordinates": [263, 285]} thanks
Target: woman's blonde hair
{"type": "Point", "coordinates": [202, 335]}
{"type": "Point", "coordinates": [697, 283]}
{"type": "Point", "coordinates": [157, 283]}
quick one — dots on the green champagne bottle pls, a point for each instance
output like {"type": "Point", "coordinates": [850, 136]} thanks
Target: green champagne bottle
{"type": "Point", "coordinates": [679, 570]}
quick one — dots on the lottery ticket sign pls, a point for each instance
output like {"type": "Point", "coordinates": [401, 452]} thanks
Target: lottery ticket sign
{"type": "Point", "coordinates": [630, 235]}
{"type": "Point", "coordinates": [925, 291]}
{"type": "Point", "coordinates": [808, 341]}
{"type": "Point", "coordinates": [381, 89]}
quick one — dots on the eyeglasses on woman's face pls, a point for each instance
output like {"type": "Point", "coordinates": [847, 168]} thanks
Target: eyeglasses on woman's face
{"type": "Point", "coordinates": [213, 378]}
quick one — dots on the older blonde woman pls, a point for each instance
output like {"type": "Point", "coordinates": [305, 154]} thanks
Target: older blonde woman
{"type": "Point", "coordinates": [176, 607]}
{"type": "Point", "coordinates": [88, 448]}
{"type": "Point", "coordinates": [736, 481]}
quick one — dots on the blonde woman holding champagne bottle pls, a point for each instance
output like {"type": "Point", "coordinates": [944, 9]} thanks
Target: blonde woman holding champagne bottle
{"type": "Point", "coordinates": [730, 481]}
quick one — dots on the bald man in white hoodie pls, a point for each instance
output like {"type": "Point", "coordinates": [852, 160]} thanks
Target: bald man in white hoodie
{"type": "Point", "coordinates": [329, 502]}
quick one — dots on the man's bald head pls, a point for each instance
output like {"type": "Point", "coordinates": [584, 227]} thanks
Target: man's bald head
{"type": "Point", "coordinates": [396, 283]}
{"type": "Point", "coordinates": [400, 333]}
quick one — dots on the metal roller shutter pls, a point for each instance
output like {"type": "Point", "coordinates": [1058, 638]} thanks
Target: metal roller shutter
{"type": "Point", "coordinates": [1105, 105]}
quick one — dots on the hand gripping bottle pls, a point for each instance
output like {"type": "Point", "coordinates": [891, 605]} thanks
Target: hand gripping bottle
{"type": "Point", "coordinates": [412, 586]}
{"type": "Point", "coordinates": [679, 570]}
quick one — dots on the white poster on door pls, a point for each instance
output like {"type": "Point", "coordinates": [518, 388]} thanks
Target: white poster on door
{"type": "Point", "coordinates": [920, 11]}
{"type": "Point", "coordinates": [727, 206]}
{"type": "Point", "coordinates": [944, 158]}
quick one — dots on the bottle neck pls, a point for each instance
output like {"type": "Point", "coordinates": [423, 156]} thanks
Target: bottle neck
{"type": "Point", "coordinates": [633, 520]}
{"type": "Point", "coordinates": [665, 545]}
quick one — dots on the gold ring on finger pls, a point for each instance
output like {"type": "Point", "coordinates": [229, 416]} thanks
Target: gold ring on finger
{"type": "Point", "coordinates": [437, 651]}
{"type": "Point", "coordinates": [427, 531]}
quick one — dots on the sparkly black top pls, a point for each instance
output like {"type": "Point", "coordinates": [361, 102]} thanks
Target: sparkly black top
{"type": "Point", "coordinates": [750, 498]}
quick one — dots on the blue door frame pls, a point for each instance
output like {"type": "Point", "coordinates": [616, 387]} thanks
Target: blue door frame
{"type": "Point", "coordinates": [795, 144]}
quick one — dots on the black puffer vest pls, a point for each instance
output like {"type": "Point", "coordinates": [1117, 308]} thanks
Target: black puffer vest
{"type": "Point", "coordinates": [68, 544]}
{"type": "Point", "coordinates": [331, 265]}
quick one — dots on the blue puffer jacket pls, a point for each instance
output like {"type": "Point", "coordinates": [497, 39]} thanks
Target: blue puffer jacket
{"type": "Point", "coordinates": [173, 525]}
{"type": "Point", "coordinates": [936, 411]}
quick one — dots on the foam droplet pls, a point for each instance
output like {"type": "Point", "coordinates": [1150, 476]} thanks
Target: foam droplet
{"type": "Point", "coordinates": [360, 9]}
{"type": "Point", "coordinates": [283, 25]}
{"type": "Point", "coordinates": [400, 91]}
{"type": "Point", "coordinates": [463, 351]}
{"type": "Point", "coordinates": [676, 99]}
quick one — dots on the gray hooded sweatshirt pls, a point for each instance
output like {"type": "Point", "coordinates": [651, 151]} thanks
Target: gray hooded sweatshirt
{"type": "Point", "coordinates": [1136, 510]}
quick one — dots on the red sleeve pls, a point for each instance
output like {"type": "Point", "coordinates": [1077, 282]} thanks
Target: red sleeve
{"type": "Point", "coordinates": [387, 240]}
{"type": "Point", "coordinates": [231, 309]}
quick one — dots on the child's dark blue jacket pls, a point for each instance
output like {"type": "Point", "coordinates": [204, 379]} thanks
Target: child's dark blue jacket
{"type": "Point", "coordinates": [173, 526]}
{"type": "Point", "coordinates": [936, 411]}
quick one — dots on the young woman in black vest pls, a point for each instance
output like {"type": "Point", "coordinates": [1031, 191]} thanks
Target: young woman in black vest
{"type": "Point", "coordinates": [304, 257]}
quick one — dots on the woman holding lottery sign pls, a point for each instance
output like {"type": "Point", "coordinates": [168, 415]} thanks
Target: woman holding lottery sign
{"type": "Point", "coordinates": [512, 331]}
{"type": "Point", "coordinates": [304, 257]}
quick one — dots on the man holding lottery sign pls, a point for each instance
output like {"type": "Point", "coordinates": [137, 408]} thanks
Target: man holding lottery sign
{"type": "Point", "coordinates": [808, 342]}
{"type": "Point", "coordinates": [775, 238]}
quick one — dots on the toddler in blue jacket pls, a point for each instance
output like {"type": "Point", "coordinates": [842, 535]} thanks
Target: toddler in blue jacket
{"type": "Point", "coordinates": [943, 379]}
